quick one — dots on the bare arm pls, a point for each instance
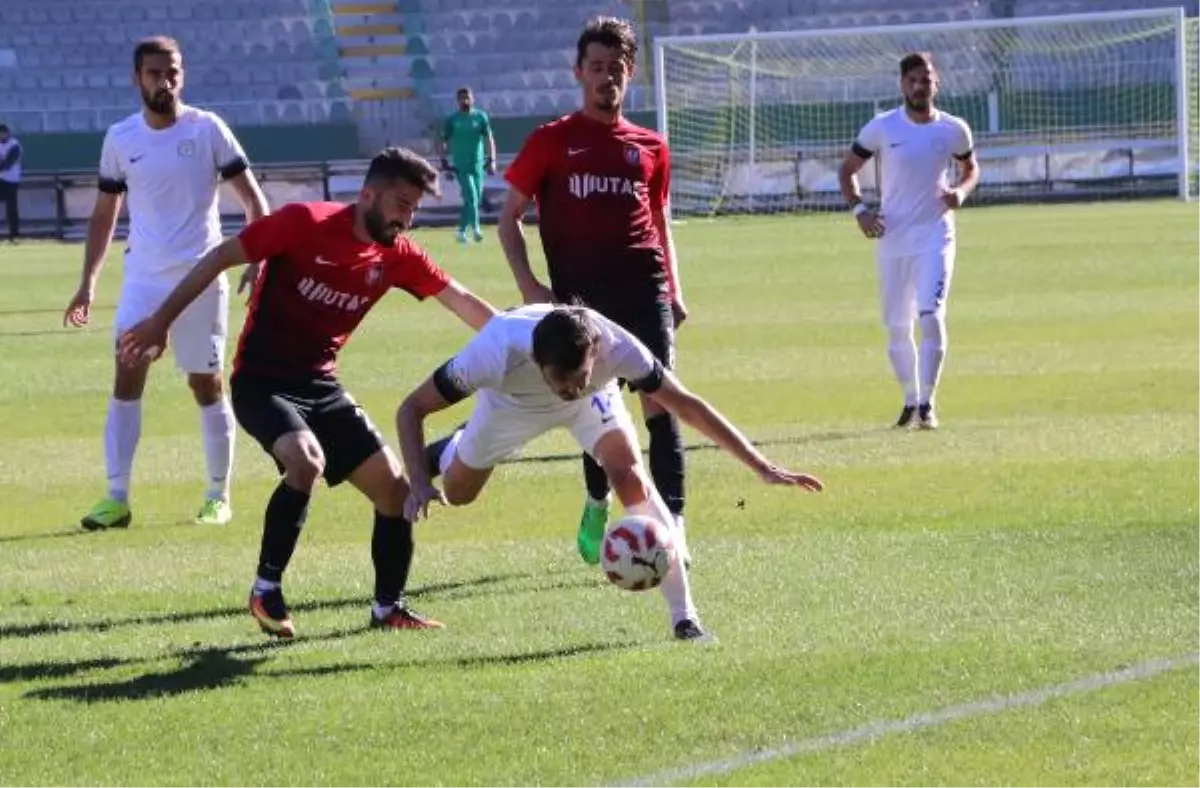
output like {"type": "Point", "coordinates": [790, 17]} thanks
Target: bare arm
{"type": "Point", "coordinates": [468, 307]}
{"type": "Point", "coordinates": [968, 179]}
{"type": "Point", "coordinates": [703, 417]}
{"type": "Point", "coordinates": [410, 426]}
{"type": "Point", "coordinates": [512, 238]}
{"type": "Point", "coordinates": [868, 221]}
{"type": "Point", "coordinates": [491, 141]}
{"type": "Point", "coordinates": [659, 216]}
{"type": "Point", "coordinates": [99, 236]}
{"type": "Point", "coordinates": [249, 194]}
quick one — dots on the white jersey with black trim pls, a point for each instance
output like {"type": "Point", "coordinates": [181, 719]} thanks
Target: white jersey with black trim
{"type": "Point", "coordinates": [170, 177]}
{"type": "Point", "coordinates": [500, 359]}
{"type": "Point", "coordinates": [915, 159]}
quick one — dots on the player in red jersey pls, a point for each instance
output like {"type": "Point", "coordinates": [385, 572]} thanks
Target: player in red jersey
{"type": "Point", "coordinates": [601, 184]}
{"type": "Point", "coordinates": [326, 265]}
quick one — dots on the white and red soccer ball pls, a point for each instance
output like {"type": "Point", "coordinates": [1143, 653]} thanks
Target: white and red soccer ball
{"type": "Point", "coordinates": [636, 554]}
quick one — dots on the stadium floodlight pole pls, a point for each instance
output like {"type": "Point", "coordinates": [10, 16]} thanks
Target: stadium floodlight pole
{"type": "Point", "coordinates": [1181, 102]}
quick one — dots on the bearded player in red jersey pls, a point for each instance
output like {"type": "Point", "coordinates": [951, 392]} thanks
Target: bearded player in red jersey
{"type": "Point", "coordinates": [326, 265]}
{"type": "Point", "coordinates": [601, 184]}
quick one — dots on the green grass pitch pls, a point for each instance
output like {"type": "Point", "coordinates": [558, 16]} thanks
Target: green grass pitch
{"type": "Point", "coordinates": [1047, 533]}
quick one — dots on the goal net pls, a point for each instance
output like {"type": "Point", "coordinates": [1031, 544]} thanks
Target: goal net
{"type": "Point", "coordinates": [1085, 106]}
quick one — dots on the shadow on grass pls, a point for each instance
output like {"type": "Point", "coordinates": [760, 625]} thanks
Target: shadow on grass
{"type": "Point", "coordinates": [51, 535]}
{"type": "Point", "coordinates": [451, 590]}
{"type": "Point", "coordinates": [693, 448]}
{"type": "Point", "coordinates": [216, 668]}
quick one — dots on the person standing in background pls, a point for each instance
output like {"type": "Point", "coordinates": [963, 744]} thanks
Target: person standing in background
{"type": "Point", "coordinates": [463, 135]}
{"type": "Point", "coordinates": [10, 181]}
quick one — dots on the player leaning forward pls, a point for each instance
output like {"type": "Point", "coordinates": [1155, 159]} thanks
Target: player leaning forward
{"type": "Point", "coordinates": [166, 161]}
{"type": "Point", "coordinates": [538, 368]}
{"type": "Point", "coordinates": [915, 225]}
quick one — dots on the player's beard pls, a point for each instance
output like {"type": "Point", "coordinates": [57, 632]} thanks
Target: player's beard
{"type": "Point", "coordinates": [160, 102]}
{"type": "Point", "coordinates": [608, 101]}
{"type": "Point", "coordinates": [380, 231]}
{"type": "Point", "coordinates": [920, 104]}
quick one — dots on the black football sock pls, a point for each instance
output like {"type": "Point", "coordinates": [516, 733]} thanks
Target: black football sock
{"type": "Point", "coordinates": [392, 553]}
{"type": "Point", "coordinates": [666, 459]}
{"type": "Point", "coordinates": [285, 515]}
{"type": "Point", "coordinates": [595, 478]}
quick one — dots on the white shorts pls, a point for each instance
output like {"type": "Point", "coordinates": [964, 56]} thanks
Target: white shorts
{"type": "Point", "coordinates": [911, 284]}
{"type": "Point", "coordinates": [197, 337]}
{"type": "Point", "coordinates": [498, 429]}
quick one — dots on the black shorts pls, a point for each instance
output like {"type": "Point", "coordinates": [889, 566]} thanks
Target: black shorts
{"type": "Point", "coordinates": [647, 316]}
{"type": "Point", "coordinates": [268, 409]}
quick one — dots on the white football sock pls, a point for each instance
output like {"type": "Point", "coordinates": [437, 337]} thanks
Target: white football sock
{"type": "Point", "coordinates": [217, 424]}
{"type": "Point", "coordinates": [262, 586]}
{"type": "Point", "coordinates": [122, 429]}
{"type": "Point", "coordinates": [675, 585]}
{"type": "Point", "coordinates": [933, 353]}
{"type": "Point", "coordinates": [902, 350]}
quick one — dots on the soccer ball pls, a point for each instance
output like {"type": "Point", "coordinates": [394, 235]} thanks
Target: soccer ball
{"type": "Point", "coordinates": [636, 554]}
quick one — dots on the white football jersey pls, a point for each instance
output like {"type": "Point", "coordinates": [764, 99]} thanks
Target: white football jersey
{"type": "Point", "coordinates": [915, 159]}
{"type": "Point", "coordinates": [171, 177]}
{"type": "Point", "coordinates": [500, 358]}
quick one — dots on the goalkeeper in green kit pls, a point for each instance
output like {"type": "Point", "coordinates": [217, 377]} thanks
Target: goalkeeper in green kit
{"type": "Point", "coordinates": [463, 135]}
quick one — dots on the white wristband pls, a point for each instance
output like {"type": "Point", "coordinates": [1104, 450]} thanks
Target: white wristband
{"type": "Point", "coordinates": [860, 209]}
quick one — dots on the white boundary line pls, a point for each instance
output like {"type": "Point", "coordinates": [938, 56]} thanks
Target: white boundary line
{"type": "Point", "coordinates": [875, 730]}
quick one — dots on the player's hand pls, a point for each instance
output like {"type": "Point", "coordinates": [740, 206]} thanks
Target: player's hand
{"type": "Point", "coordinates": [144, 342]}
{"type": "Point", "coordinates": [871, 224]}
{"type": "Point", "coordinates": [489, 165]}
{"type": "Point", "coordinates": [416, 506]}
{"type": "Point", "coordinates": [249, 280]}
{"type": "Point", "coordinates": [952, 199]}
{"type": "Point", "coordinates": [773, 474]}
{"type": "Point", "coordinates": [679, 311]}
{"type": "Point", "coordinates": [537, 293]}
{"type": "Point", "coordinates": [79, 310]}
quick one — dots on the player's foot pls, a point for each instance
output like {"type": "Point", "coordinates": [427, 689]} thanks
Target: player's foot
{"type": "Point", "coordinates": [906, 417]}
{"type": "Point", "coordinates": [478, 235]}
{"type": "Point", "coordinates": [591, 531]}
{"type": "Point", "coordinates": [402, 617]}
{"type": "Point", "coordinates": [214, 512]}
{"type": "Point", "coordinates": [109, 513]}
{"type": "Point", "coordinates": [928, 419]}
{"type": "Point", "coordinates": [691, 630]}
{"type": "Point", "coordinates": [271, 613]}
{"type": "Point", "coordinates": [461, 236]}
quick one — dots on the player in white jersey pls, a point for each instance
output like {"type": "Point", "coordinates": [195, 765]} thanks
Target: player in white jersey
{"type": "Point", "coordinates": [540, 367]}
{"type": "Point", "coordinates": [169, 160]}
{"type": "Point", "coordinates": [915, 145]}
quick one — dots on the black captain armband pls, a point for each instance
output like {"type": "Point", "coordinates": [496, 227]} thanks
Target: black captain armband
{"type": "Point", "coordinates": [652, 382]}
{"type": "Point", "coordinates": [111, 186]}
{"type": "Point", "coordinates": [449, 384]}
{"type": "Point", "coordinates": [234, 168]}
{"type": "Point", "coordinates": [861, 152]}
{"type": "Point", "coordinates": [965, 156]}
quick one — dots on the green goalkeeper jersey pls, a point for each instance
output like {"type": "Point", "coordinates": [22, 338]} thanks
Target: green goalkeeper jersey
{"type": "Point", "coordinates": [466, 133]}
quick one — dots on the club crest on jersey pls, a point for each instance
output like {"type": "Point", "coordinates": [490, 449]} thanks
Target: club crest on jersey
{"type": "Point", "coordinates": [186, 149]}
{"type": "Point", "coordinates": [633, 155]}
{"type": "Point", "coordinates": [375, 274]}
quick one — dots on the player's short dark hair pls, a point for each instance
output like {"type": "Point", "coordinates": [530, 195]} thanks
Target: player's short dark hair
{"type": "Point", "coordinates": [155, 45]}
{"type": "Point", "coordinates": [396, 163]}
{"type": "Point", "coordinates": [564, 338]}
{"type": "Point", "coordinates": [4, 128]}
{"type": "Point", "coordinates": [464, 89]}
{"type": "Point", "coordinates": [916, 60]}
{"type": "Point", "coordinates": [608, 31]}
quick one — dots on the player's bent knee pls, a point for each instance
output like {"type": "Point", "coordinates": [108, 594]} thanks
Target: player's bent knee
{"type": "Point", "coordinates": [302, 459]}
{"type": "Point", "coordinates": [462, 484]}
{"type": "Point", "coordinates": [206, 388]}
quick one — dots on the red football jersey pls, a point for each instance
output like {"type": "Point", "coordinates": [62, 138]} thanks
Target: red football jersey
{"type": "Point", "coordinates": [597, 186]}
{"type": "Point", "coordinates": [318, 282]}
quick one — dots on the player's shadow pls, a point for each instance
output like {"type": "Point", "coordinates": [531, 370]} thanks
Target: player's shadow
{"type": "Point", "coordinates": [458, 589]}
{"type": "Point", "coordinates": [218, 668]}
{"type": "Point", "coordinates": [696, 448]}
{"type": "Point", "coordinates": [50, 535]}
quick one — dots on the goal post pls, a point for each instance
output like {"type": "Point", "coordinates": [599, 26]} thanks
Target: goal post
{"type": "Point", "coordinates": [1083, 106]}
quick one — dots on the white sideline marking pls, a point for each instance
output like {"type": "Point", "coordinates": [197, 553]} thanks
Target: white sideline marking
{"type": "Point", "coordinates": [928, 719]}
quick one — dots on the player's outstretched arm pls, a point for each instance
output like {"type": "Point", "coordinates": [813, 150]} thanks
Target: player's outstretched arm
{"type": "Point", "coordinates": [410, 427]}
{"type": "Point", "coordinates": [99, 237]}
{"type": "Point", "coordinates": [697, 413]}
{"type": "Point", "coordinates": [510, 228]}
{"type": "Point", "coordinates": [466, 306]}
{"type": "Point", "coordinates": [149, 337]}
